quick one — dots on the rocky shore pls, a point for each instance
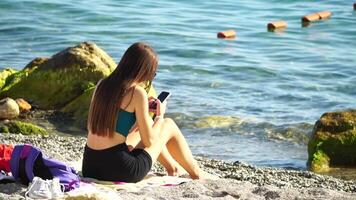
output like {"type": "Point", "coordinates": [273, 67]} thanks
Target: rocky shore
{"type": "Point", "coordinates": [237, 180]}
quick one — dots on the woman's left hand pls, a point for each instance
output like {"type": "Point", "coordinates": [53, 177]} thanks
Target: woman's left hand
{"type": "Point", "coordinates": [152, 104]}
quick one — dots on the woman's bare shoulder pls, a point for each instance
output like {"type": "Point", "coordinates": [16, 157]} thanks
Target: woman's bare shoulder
{"type": "Point", "coordinates": [139, 97]}
{"type": "Point", "coordinates": [140, 93]}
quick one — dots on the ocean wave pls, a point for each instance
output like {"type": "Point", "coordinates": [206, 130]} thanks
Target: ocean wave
{"type": "Point", "coordinates": [297, 133]}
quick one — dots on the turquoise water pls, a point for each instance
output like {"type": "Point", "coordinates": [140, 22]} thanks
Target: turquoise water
{"type": "Point", "coordinates": [252, 99]}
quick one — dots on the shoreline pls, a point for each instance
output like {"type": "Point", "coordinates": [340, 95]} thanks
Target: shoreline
{"type": "Point", "coordinates": [257, 180]}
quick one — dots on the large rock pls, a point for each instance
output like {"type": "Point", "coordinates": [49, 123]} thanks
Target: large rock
{"type": "Point", "coordinates": [333, 141]}
{"type": "Point", "coordinates": [8, 109]}
{"type": "Point", "coordinates": [55, 82]}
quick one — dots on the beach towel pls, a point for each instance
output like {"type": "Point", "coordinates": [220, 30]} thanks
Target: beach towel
{"type": "Point", "coordinates": [151, 180]}
{"type": "Point", "coordinates": [92, 188]}
{"type": "Point", "coordinates": [90, 191]}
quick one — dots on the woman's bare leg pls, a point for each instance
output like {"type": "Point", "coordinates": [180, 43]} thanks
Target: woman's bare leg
{"type": "Point", "coordinates": [133, 140]}
{"type": "Point", "coordinates": [168, 162]}
{"type": "Point", "coordinates": [171, 136]}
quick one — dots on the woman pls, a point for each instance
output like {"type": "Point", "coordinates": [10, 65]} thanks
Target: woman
{"type": "Point", "coordinates": [123, 141]}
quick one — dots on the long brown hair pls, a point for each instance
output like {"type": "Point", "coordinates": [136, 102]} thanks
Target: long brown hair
{"type": "Point", "coordinates": [138, 64]}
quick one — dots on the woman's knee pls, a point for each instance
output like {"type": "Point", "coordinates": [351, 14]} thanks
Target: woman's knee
{"type": "Point", "coordinates": [169, 122]}
{"type": "Point", "coordinates": [170, 128]}
{"type": "Point", "coordinates": [167, 130]}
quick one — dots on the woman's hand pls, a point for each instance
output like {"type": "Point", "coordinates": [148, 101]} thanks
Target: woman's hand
{"type": "Point", "coordinates": [156, 106]}
{"type": "Point", "coordinates": [152, 104]}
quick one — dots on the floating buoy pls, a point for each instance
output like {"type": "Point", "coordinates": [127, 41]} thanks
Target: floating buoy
{"type": "Point", "coordinates": [272, 26]}
{"type": "Point", "coordinates": [227, 34]}
{"type": "Point", "coordinates": [324, 14]}
{"type": "Point", "coordinates": [307, 19]}
{"type": "Point", "coordinates": [311, 17]}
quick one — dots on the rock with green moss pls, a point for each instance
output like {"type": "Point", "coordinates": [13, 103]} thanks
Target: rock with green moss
{"type": "Point", "coordinates": [64, 79]}
{"type": "Point", "coordinates": [55, 82]}
{"type": "Point", "coordinates": [333, 141]}
{"type": "Point", "coordinates": [24, 128]}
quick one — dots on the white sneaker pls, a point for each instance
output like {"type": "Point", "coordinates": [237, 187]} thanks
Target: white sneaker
{"type": "Point", "coordinates": [56, 188]}
{"type": "Point", "coordinates": [38, 189]}
{"type": "Point", "coordinates": [5, 178]}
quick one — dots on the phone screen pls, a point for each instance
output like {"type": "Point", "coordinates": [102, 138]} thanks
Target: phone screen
{"type": "Point", "coordinates": [163, 96]}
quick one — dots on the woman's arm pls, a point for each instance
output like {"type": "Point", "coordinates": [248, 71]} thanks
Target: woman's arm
{"type": "Point", "coordinates": [148, 132]}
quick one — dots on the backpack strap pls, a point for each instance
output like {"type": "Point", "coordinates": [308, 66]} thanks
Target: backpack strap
{"type": "Point", "coordinates": [15, 161]}
{"type": "Point", "coordinates": [30, 162]}
{"type": "Point", "coordinates": [19, 152]}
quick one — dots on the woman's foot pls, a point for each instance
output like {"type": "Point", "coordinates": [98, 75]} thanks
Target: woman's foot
{"type": "Point", "coordinates": [176, 170]}
{"type": "Point", "coordinates": [172, 172]}
{"type": "Point", "coordinates": [200, 174]}
{"type": "Point", "coordinates": [197, 172]}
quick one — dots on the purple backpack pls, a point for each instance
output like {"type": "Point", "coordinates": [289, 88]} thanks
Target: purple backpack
{"type": "Point", "coordinates": [27, 162]}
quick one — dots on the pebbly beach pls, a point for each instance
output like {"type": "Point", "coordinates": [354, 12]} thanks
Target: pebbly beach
{"type": "Point", "coordinates": [236, 180]}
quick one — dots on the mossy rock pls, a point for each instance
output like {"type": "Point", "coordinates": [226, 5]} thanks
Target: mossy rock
{"type": "Point", "coordinates": [50, 89]}
{"type": "Point", "coordinates": [24, 128]}
{"type": "Point", "coordinates": [52, 83]}
{"type": "Point", "coordinates": [333, 141]}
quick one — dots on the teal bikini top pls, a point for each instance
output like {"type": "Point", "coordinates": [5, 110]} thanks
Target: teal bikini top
{"type": "Point", "coordinates": [125, 120]}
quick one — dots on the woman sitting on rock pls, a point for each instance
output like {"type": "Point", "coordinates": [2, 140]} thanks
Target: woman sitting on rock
{"type": "Point", "coordinates": [123, 141]}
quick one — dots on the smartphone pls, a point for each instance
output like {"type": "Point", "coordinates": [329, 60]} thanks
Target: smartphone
{"type": "Point", "coordinates": [162, 97]}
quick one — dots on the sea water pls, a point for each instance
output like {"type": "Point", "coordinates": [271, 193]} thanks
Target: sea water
{"type": "Point", "coordinates": [254, 98]}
